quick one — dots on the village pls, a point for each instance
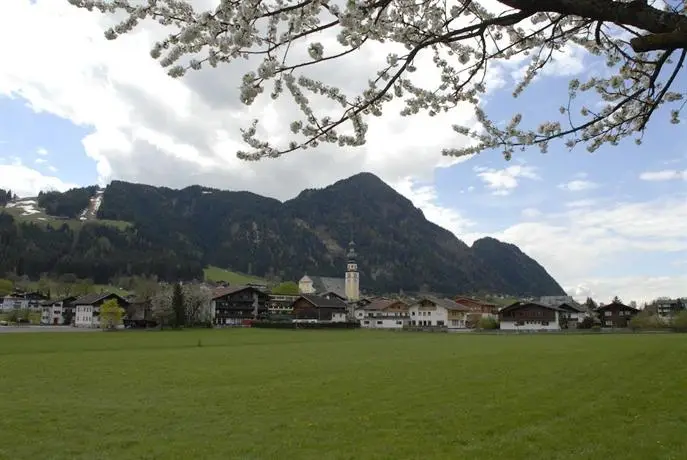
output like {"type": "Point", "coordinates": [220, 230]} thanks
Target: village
{"type": "Point", "coordinates": [337, 302]}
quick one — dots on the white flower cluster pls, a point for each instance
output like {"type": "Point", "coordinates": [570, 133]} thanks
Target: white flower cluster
{"type": "Point", "coordinates": [463, 37]}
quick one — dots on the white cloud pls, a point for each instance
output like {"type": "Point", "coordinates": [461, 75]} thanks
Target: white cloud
{"type": "Point", "coordinates": [504, 181]}
{"type": "Point", "coordinates": [26, 182]}
{"type": "Point", "coordinates": [665, 175]}
{"type": "Point", "coordinates": [41, 151]}
{"type": "Point", "coordinates": [580, 246]}
{"type": "Point", "coordinates": [531, 213]}
{"type": "Point", "coordinates": [424, 196]}
{"type": "Point", "coordinates": [578, 185]}
{"type": "Point", "coordinates": [149, 128]}
{"type": "Point", "coordinates": [639, 288]}
{"type": "Point", "coordinates": [40, 161]}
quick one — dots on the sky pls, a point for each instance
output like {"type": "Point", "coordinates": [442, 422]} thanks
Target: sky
{"type": "Point", "coordinates": [76, 109]}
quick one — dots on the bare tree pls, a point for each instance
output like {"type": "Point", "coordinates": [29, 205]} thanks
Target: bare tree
{"type": "Point", "coordinates": [161, 306]}
{"type": "Point", "coordinates": [197, 303]}
{"type": "Point", "coordinates": [643, 43]}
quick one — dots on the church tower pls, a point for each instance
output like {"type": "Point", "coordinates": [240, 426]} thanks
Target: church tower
{"type": "Point", "coordinates": [352, 275]}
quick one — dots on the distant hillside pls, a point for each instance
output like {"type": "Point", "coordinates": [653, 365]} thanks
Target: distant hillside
{"type": "Point", "coordinates": [261, 237]}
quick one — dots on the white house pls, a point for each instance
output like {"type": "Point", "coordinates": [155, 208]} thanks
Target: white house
{"type": "Point", "coordinates": [87, 308]}
{"type": "Point", "coordinates": [30, 300]}
{"type": "Point", "coordinates": [53, 311]}
{"type": "Point", "coordinates": [438, 312]}
{"type": "Point", "coordinates": [573, 312]}
{"type": "Point", "coordinates": [383, 314]}
{"type": "Point", "coordinates": [530, 316]}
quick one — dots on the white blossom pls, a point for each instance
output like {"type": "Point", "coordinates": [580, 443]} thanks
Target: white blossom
{"type": "Point", "coordinates": [464, 40]}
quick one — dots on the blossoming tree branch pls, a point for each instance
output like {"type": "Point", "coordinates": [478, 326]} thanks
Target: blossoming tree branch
{"type": "Point", "coordinates": [644, 43]}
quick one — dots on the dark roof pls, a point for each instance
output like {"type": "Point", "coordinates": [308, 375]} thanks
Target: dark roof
{"type": "Point", "coordinates": [518, 304]}
{"type": "Point", "coordinates": [444, 302]}
{"type": "Point", "coordinates": [571, 306]}
{"type": "Point", "coordinates": [616, 305]}
{"type": "Point", "coordinates": [324, 284]}
{"type": "Point", "coordinates": [67, 299]}
{"type": "Point", "coordinates": [323, 302]}
{"type": "Point", "coordinates": [90, 299]}
{"type": "Point", "coordinates": [221, 292]}
{"type": "Point", "coordinates": [381, 304]}
{"type": "Point", "coordinates": [465, 300]}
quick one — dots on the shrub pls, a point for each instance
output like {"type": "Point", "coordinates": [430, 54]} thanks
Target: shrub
{"type": "Point", "coordinates": [291, 325]}
{"type": "Point", "coordinates": [487, 322]}
{"type": "Point", "coordinates": [586, 323]}
{"type": "Point", "coordinates": [644, 320]}
{"type": "Point", "coordinates": [679, 323]}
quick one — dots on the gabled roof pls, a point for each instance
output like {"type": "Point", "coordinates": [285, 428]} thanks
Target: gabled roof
{"type": "Point", "coordinates": [67, 299]}
{"type": "Point", "coordinates": [323, 302]}
{"type": "Point", "coordinates": [467, 301]}
{"type": "Point", "coordinates": [444, 302]}
{"type": "Point", "coordinates": [381, 304]}
{"type": "Point", "coordinates": [572, 306]}
{"type": "Point", "coordinates": [90, 299]}
{"type": "Point", "coordinates": [616, 305]}
{"type": "Point", "coordinates": [519, 304]}
{"type": "Point", "coordinates": [221, 292]}
{"type": "Point", "coordinates": [324, 284]}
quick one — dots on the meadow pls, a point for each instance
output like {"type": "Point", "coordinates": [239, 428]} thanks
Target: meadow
{"type": "Point", "coordinates": [283, 394]}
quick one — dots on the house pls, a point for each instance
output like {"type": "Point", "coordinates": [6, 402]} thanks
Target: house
{"type": "Point", "coordinates": [58, 312]}
{"type": "Point", "coordinates": [476, 306]}
{"type": "Point", "coordinates": [23, 301]}
{"type": "Point", "coordinates": [234, 305]}
{"type": "Point", "coordinates": [616, 314]}
{"type": "Point", "coordinates": [477, 309]}
{"type": "Point", "coordinates": [139, 313]}
{"type": "Point", "coordinates": [530, 316]}
{"type": "Point", "coordinates": [280, 304]}
{"type": "Point", "coordinates": [573, 313]}
{"type": "Point", "coordinates": [383, 314]}
{"type": "Point", "coordinates": [309, 307]}
{"type": "Point", "coordinates": [87, 308]}
{"type": "Point", "coordinates": [555, 300]}
{"type": "Point", "coordinates": [668, 308]}
{"type": "Point", "coordinates": [438, 312]}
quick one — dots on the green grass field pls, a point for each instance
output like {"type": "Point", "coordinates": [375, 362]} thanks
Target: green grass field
{"type": "Point", "coordinates": [266, 394]}
{"type": "Point", "coordinates": [233, 278]}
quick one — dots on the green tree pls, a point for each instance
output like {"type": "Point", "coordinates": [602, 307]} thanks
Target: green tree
{"type": "Point", "coordinates": [679, 323]}
{"type": "Point", "coordinates": [286, 288]}
{"type": "Point", "coordinates": [178, 306]}
{"type": "Point", "coordinates": [487, 322]}
{"type": "Point", "coordinates": [67, 316]}
{"type": "Point", "coordinates": [111, 315]}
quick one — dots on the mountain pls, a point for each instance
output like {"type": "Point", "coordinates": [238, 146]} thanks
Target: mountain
{"type": "Point", "coordinates": [141, 229]}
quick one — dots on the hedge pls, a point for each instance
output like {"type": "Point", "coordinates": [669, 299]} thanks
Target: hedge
{"type": "Point", "coordinates": [285, 325]}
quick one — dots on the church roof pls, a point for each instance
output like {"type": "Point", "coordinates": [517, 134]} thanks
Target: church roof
{"type": "Point", "coordinates": [324, 284]}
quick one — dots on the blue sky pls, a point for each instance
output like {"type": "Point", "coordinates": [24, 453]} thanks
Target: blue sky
{"type": "Point", "coordinates": [593, 220]}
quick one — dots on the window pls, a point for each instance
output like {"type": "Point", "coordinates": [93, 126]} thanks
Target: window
{"type": "Point", "coordinates": [440, 323]}
{"type": "Point", "coordinates": [608, 313]}
{"type": "Point", "coordinates": [379, 322]}
{"type": "Point", "coordinates": [366, 322]}
{"type": "Point", "coordinates": [544, 323]}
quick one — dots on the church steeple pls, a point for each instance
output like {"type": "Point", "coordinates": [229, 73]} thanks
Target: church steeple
{"type": "Point", "coordinates": [352, 275]}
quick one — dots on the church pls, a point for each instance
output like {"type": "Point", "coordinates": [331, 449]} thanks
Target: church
{"type": "Point", "coordinates": [347, 288]}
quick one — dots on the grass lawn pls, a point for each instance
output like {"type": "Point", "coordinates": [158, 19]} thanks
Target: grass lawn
{"type": "Point", "coordinates": [233, 278]}
{"type": "Point", "coordinates": [266, 394]}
